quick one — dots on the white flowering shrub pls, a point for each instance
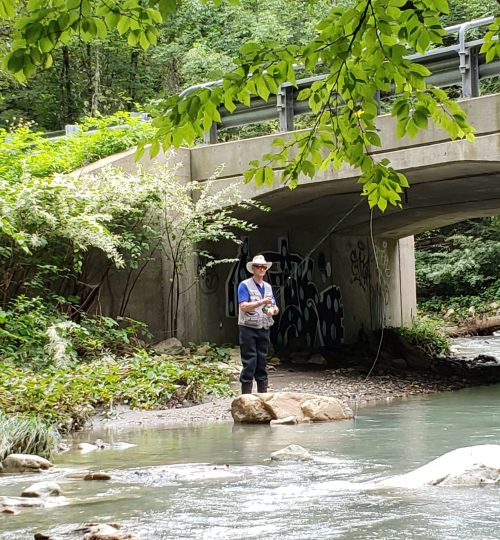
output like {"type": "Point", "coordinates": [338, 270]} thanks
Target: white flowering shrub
{"type": "Point", "coordinates": [62, 236]}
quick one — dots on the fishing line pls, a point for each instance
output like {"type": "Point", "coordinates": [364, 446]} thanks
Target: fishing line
{"type": "Point", "coordinates": [328, 233]}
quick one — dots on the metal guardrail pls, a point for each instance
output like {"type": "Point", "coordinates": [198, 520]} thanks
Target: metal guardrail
{"type": "Point", "coordinates": [70, 129]}
{"type": "Point", "coordinates": [460, 64]}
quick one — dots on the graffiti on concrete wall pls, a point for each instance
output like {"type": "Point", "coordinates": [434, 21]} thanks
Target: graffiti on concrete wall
{"type": "Point", "coordinates": [383, 270]}
{"type": "Point", "coordinates": [360, 265]}
{"type": "Point", "coordinates": [306, 312]}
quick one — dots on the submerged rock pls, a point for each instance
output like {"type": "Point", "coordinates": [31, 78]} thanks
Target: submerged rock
{"type": "Point", "coordinates": [18, 463]}
{"type": "Point", "coordinates": [471, 466]}
{"type": "Point", "coordinates": [108, 532]}
{"type": "Point", "coordinates": [97, 475]}
{"type": "Point", "coordinates": [86, 447]}
{"type": "Point", "coordinates": [9, 511]}
{"type": "Point", "coordinates": [294, 452]}
{"type": "Point", "coordinates": [43, 489]}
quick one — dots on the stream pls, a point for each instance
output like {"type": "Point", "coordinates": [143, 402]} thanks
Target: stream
{"type": "Point", "coordinates": [218, 482]}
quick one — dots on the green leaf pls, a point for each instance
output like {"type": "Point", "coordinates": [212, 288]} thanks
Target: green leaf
{"type": "Point", "coordinates": [442, 6]}
{"type": "Point", "coordinates": [15, 61]}
{"type": "Point", "coordinates": [420, 119]}
{"type": "Point", "coordinates": [123, 25]}
{"type": "Point", "coordinates": [382, 204]}
{"type": "Point", "coordinates": [268, 176]}
{"type": "Point", "coordinates": [373, 138]}
{"type": "Point", "coordinates": [260, 177]}
{"type": "Point", "coordinates": [45, 45]}
{"type": "Point", "coordinates": [261, 88]}
{"type": "Point", "coordinates": [7, 10]}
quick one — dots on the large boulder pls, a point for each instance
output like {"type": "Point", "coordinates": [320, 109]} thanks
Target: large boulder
{"type": "Point", "coordinates": [249, 408]}
{"type": "Point", "coordinates": [472, 465]}
{"type": "Point", "coordinates": [170, 346]}
{"type": "Point", "coordinates": [262, 408]}
{"type": "Point", "coordinates": [18, 463]}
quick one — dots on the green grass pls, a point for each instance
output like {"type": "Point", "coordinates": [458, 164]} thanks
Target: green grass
{"type": "Point", "coordinates": [21, 435]}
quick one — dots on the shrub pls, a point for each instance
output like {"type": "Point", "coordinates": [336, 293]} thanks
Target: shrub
{"type": "Point", "coordinates": [426, 334]}
{"type": "Point", "coordinates": [19, 435]}
{"type": "Point", "coordinates": [35, 333]}
{"type": "Point", "coordinates": [25, 151]}
{"type": "Point", "coordinates": [66, 396]}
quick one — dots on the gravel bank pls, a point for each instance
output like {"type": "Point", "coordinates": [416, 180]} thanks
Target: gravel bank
{"type": "Point", "coordinates": [348, 385]}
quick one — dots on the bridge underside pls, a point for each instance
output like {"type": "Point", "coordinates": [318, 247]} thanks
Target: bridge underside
{"type": "Point", "coordinates": [438, 196]}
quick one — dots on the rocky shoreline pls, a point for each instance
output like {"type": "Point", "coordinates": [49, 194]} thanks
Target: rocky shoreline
{"type": "Point", "coordinates": [350, 385]}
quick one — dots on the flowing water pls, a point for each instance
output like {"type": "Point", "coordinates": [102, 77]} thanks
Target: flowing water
{"type": "Point", "coordinates": [470, 347]}
{"type": "Point", "coordinates": [218, 482]}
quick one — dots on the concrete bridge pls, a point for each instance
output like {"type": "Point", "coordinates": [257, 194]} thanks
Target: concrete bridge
{"type": "Point", "coordinates": [340, 270]}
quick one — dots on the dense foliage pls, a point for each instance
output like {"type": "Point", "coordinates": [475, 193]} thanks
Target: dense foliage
{"type": "Point", "coordinates": [360, 46]}
{"type": "Point", "coordinates": [67, 395]}
{"type": "Point", "coordinates": [457, 269]}
{"type": "Point", "coordinates": [62, 236]}
{"type": "Point", "coordinates": [196, 43]}
{"type": "Point", "coordinates": [51, 227]}
{"type": "Point", "coordinates": [24, 150]}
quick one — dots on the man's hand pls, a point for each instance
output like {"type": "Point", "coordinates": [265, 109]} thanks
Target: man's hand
{"type": "Point", "coordinates": [271, 311]}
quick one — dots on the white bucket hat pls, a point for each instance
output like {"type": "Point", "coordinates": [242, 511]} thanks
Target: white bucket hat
{"type": "Point", "coordinates": [258, 259]}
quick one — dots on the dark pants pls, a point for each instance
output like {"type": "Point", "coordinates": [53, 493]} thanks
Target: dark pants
{"type": "Point", "coordinates": [254, 344]}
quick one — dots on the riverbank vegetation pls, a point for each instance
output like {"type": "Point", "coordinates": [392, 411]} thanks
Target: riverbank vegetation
{"type": "Point", "coordinates": [66, 395]}
{"type": "Point", "coordinates": [62, 237]}
{"type": "Point", "coordinates": [458, 276]}
{"type": "Point", "coordinates": [30, 435]}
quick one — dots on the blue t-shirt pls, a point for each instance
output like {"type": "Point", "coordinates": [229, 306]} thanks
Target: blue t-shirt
{"type": "Point", "coordinates": [244, 293]}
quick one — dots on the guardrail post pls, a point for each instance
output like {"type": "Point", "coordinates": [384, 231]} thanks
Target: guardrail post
{"type": "Point", "coordinates": [71, 128]}
{"type": "Point", "coordinates": [378, 101]}
{"type": "Point", "coordinates": [284, 104]}
{"type": "Point", "coordinates": [469, 69]}
{"type": "Point", "coordinates": [144, 116]}
{"type": "Point", "coordinates": [210, 137]}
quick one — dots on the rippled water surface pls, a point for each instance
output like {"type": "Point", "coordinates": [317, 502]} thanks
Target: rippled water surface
{"type": "Point", "coordinates": [218, 482]}
{"type": "Point", "coordinates": [474, 345]}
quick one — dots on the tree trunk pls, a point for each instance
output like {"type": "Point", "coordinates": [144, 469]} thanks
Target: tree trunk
{"type": "Point", "coordinates": [132, 87]}
{"type": "Point", "coordinates": [96, 83]}
{"type": "Point", "coordinates": [475, 327]}
{"type": "Point", "coordinates": [67, 103]}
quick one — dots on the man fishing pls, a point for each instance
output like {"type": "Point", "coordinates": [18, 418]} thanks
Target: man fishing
{"type": "Point", "coordinates": [257, 306]}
